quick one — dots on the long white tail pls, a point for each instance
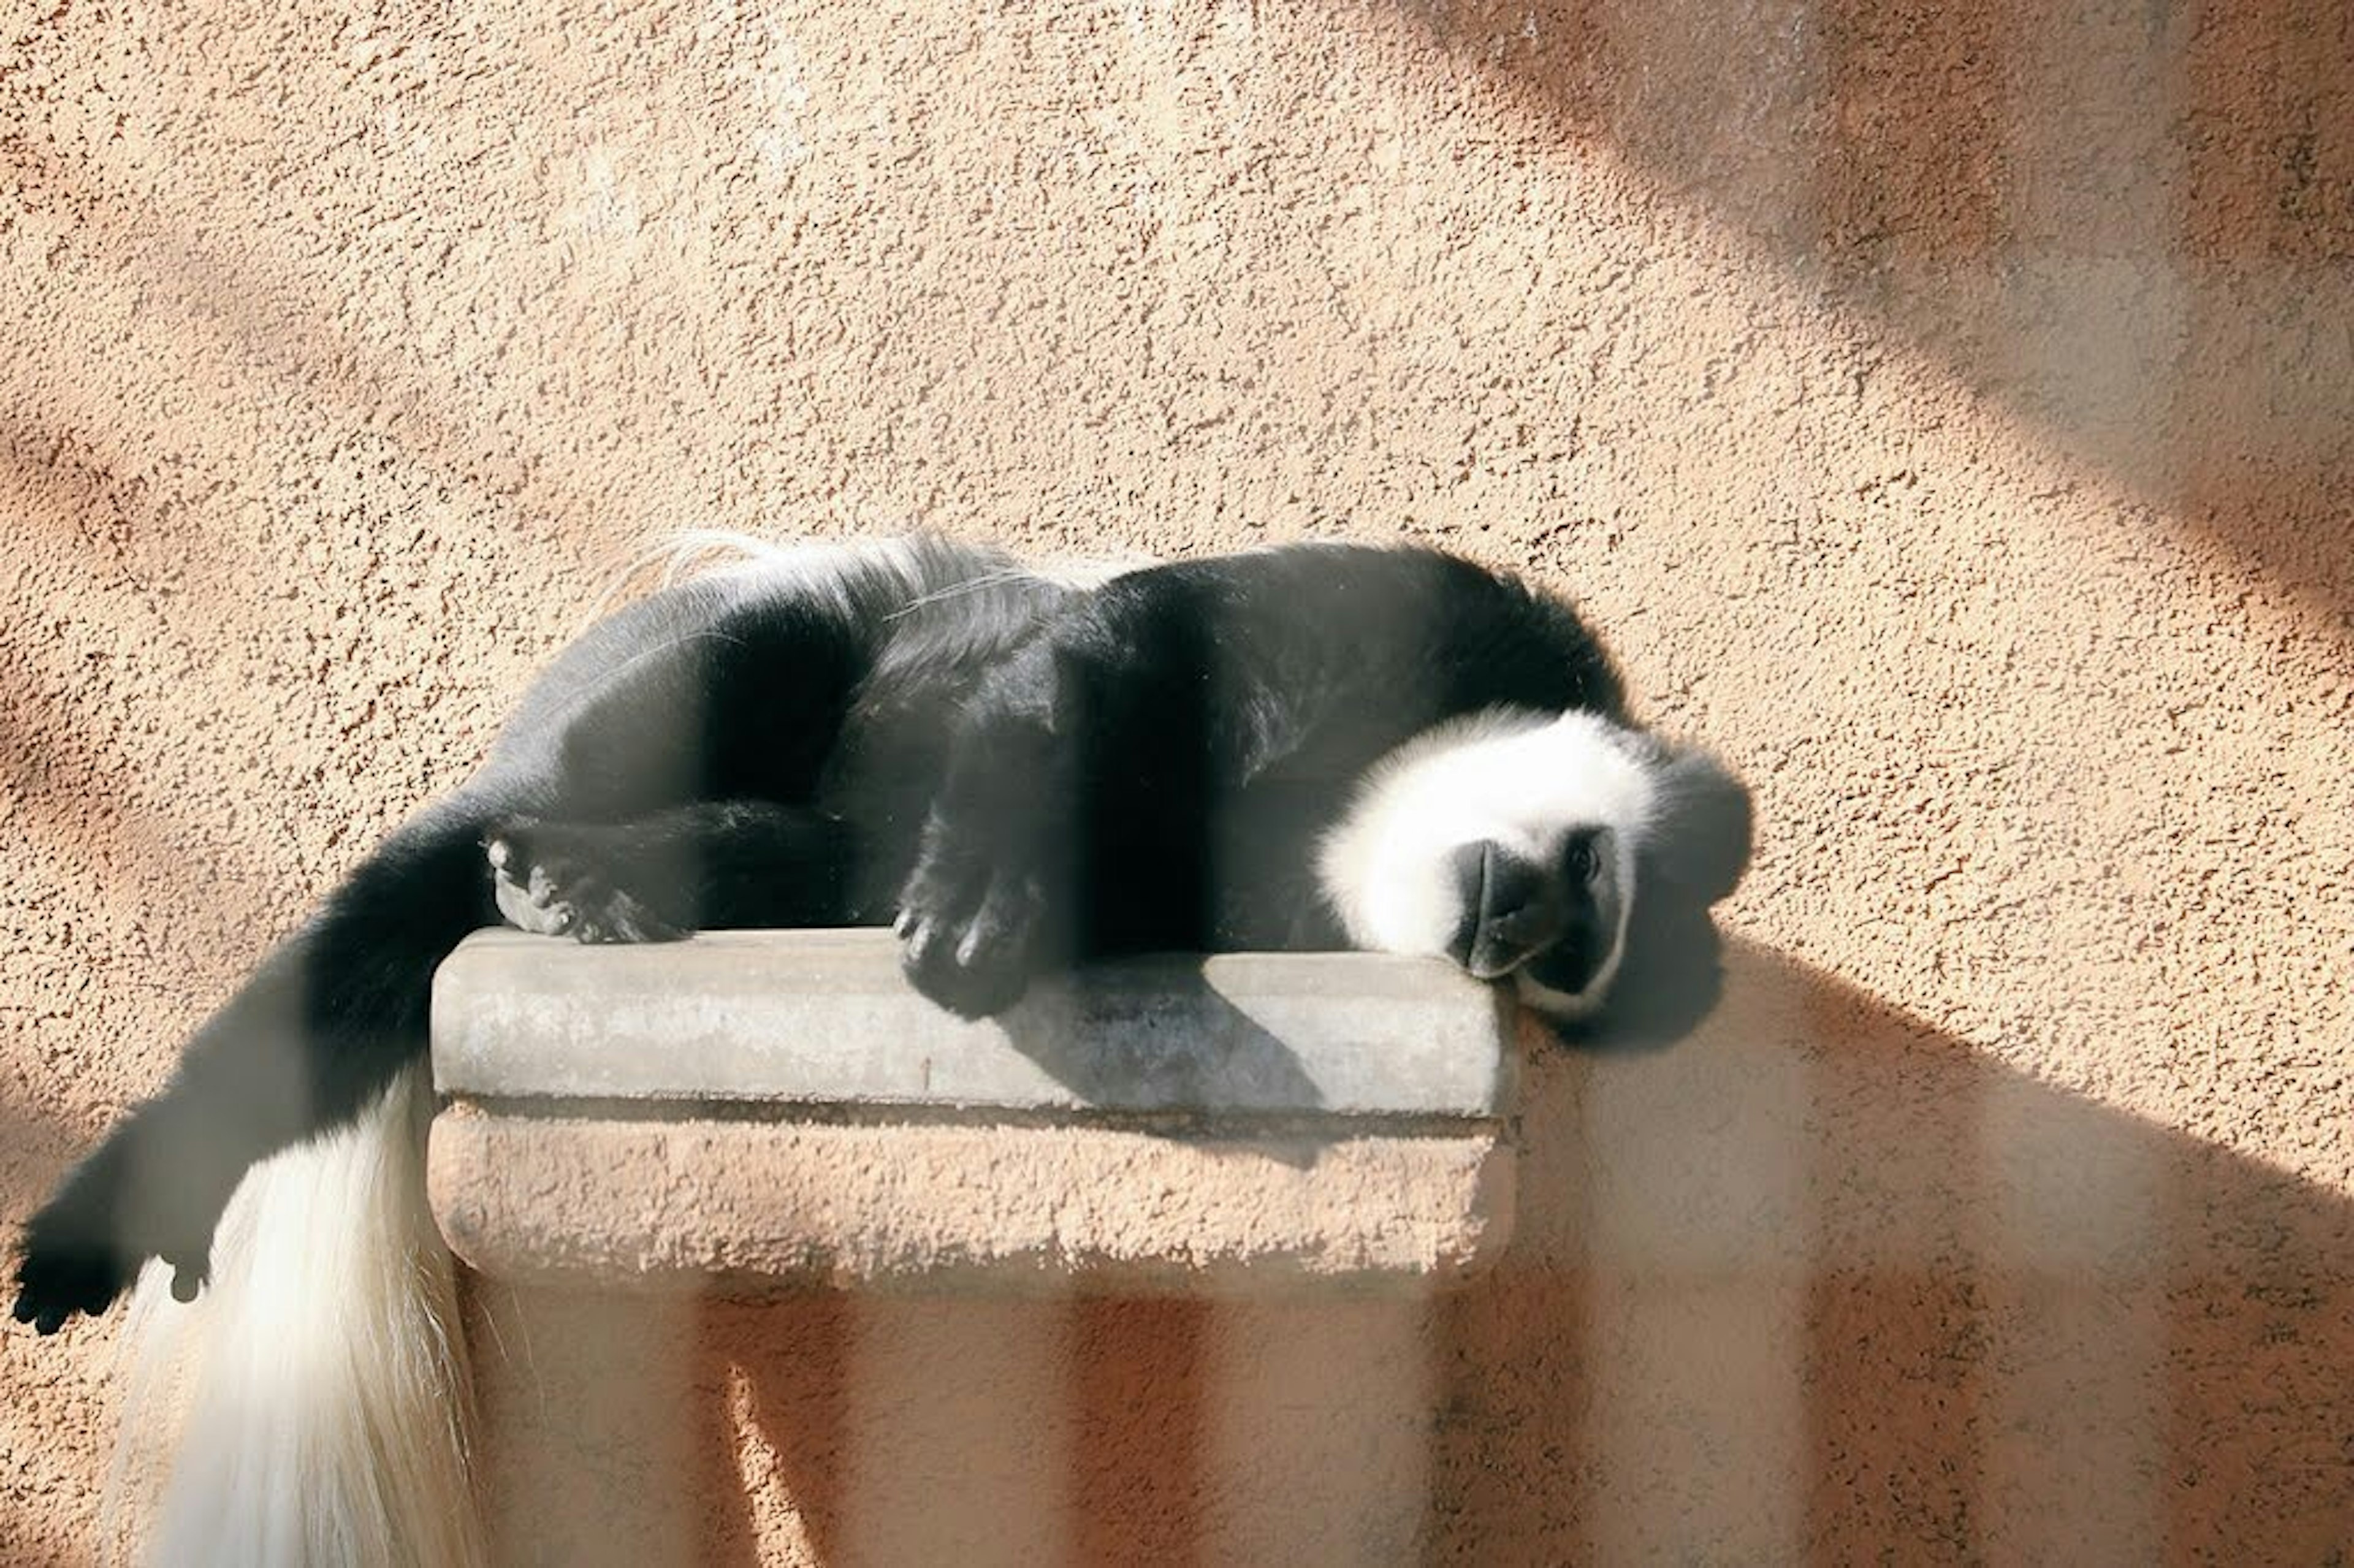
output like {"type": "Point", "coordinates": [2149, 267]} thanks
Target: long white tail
{"type": "Point", "coordinates": [311, 1405]}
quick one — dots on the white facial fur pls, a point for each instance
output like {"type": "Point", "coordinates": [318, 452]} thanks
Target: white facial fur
{"type": "Point", "coordinates": [1524, 780]}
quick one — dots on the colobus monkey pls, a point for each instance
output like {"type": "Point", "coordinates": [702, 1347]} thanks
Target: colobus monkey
{"type": "Point", "coordinates": [1304, 747]}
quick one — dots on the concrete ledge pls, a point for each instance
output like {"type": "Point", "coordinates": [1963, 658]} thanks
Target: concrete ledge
{"type": "Point", "coordinates": [823, 1017]}
{"type": "Point", "coordinates": [755, 1111]}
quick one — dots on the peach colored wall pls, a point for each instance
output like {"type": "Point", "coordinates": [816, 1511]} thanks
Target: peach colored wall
{"type": "Point", "coordinates": [1949, 407]}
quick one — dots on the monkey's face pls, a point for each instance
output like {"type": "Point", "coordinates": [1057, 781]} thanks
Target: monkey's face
{"type": "Point", "coordinates": [1524, 847]}
{"type": "Point", "coordinates": [1554, 919]}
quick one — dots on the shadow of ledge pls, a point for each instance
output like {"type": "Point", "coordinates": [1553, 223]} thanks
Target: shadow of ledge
{"type": "Point", "coordinates": [1825, 1283]}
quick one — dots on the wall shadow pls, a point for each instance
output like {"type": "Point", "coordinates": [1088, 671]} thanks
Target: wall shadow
{"type": "Point", "coordinates": [606, 1435]}
{"type": "Point", "coordinates": [783, 1372]}
{"type": "Point", "coordinates": [44, 1453]}
{"type": "Point", "coordinates": [2133, 226]}
{"type": "Point", "coordinates": [1111, 1441]}
{"type": "Point", "coordinates": [35, 1146]}
{"type": "Point", "coordinates": [226, 311]}
{"type": "Point", "coordinates": [1822, 1284]}
{"type": "Point", "coordinates": [67, 773]}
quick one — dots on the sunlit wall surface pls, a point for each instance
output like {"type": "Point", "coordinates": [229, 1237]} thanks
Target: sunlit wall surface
{"type": "Point", "coordinates": [1949, 410]}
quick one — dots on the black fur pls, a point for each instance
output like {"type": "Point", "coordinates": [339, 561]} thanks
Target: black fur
{"type": "Point", "coordinates": [1021, 775]}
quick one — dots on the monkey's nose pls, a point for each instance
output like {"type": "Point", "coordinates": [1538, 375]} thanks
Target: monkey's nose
{"type": "Point", "coordinates": [1512, 909]}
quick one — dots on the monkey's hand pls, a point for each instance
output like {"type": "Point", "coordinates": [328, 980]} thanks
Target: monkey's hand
{"type": "Point", "coordinates": [987, 905]}
{"type": "Point", "coordinates": [67, 1268]}
{"type": "Point", "coordinates": [971, 923]}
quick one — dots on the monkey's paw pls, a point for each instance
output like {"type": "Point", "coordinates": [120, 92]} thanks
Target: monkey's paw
{"type": "Point", "coordinates": [970, 932]}
{"type": "Point", "coordinates": [72, 1261]}
{"type": "Point", "coordinates": [552, 880]}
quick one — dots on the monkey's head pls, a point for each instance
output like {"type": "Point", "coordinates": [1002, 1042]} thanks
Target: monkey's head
{"type": "Point", "coordinates": [1554, 851]}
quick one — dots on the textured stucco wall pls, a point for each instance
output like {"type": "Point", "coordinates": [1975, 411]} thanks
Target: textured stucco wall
{"type": "Point", "coordinates": [1948, 408]}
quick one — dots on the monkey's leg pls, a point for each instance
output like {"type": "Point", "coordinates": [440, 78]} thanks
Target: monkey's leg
{"type": "Point", "coordinates": [318, 1031]}
{"type": "Point", "coordinates": [720, 863]}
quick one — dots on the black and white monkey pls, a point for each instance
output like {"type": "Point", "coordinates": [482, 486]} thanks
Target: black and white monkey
{"type": "Point", "coordinates": [1305, 747]}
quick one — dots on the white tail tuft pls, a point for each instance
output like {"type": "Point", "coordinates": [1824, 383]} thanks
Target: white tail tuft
{"type": "Point", "coordinates": [311, 1405]}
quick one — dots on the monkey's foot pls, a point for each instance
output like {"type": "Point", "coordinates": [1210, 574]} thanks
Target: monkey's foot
{"type": "Point", "coordinates": [552, 880]}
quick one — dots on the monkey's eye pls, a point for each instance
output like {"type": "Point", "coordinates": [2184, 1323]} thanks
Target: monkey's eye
{"type": "Point", "coordinates": [1578, 857]}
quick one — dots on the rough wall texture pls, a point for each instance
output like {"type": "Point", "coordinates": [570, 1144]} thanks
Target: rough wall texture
{"type": "Point", "coordinates": [1949, 409]}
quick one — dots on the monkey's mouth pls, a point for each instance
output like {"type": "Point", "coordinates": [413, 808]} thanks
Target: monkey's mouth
{"type": "Point", "coordinates": [1513, 910]}
{"type": "Point", "coordinates": [1552, 929]}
